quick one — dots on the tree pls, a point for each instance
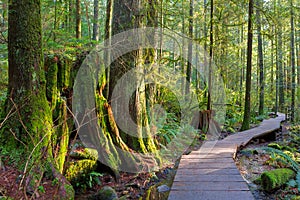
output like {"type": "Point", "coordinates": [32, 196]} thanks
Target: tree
{"type": "Point", "coordinates": [211, 39]}
{"type": "Point", "coordinates": [31, 125]}
{"type": "Point", "coordinates": [293, 62]}
{"type": "Point", "coordinates": [29, 130]}
{"type": "Point", "coordinates": [96, 21]}
{"type": "Point", "coordinates": [190, 49]}
{"type": "Point", "coordinates": [78, 19]}
{"type": "Point", "coordinates": [123, 20]}
{"type": "Point", "coordinates": [247, 108]}
{"type": "Point", "coordinates": [260, 58]}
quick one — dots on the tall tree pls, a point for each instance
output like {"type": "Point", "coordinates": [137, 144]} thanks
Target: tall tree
{"type": "Point", "coordinates": [293, 62]}
{"type": "Point", "coordinates": [125, 18]}
{"type": "Point", "coordinates": [78, 19]}
{"type": "Point", "coordinates": [260, 58]}
{"type": "Point", "coordinates": [247, 108]}
{"type": "Point", "coordinates": [211, 39]}
{"type": "Point", "coordinates": [279, 58]}
{"type": "Point", "coordinates": [190, 49]}
{"type": "Point", "coordinates": [96, 21]}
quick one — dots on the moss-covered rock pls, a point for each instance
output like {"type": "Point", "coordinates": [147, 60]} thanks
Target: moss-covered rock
{"type": "Point", "coordinates": [106, 193]}
{"type": "Point", "coordinates": [84, 153]}
{"type": "Point", "coordinates": [273, 179]}
{"type": "Point", "coordinates": [77, 171]}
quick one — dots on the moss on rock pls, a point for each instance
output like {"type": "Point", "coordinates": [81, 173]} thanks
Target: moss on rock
{"type": "Point", "coordinates": [273, 179]}
{"type": "Point", "coordinates": [106, 193]}
{"type": "Point", "coordinates": [85, 153]}
{"type": "Point", "coordinates": [77, 170]}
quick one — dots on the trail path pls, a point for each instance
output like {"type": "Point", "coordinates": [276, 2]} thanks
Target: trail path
{"type": "Point", "coordinates": [210, 173]}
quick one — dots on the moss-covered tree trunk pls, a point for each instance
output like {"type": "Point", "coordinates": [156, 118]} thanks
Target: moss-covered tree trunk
{"type": "Point", "coordinates": [30, 127]}
{"type": "Point", "coordinates": [125, 18]}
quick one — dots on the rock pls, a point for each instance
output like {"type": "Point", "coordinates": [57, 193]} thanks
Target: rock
{"type": "Point", "coordinates": [106, 193]}
{"type": "Point", "coordinates": [163, 188]}
{"type": "Point", "coordinates": [273, 179]}
{"type": "Point", "coordinates": [79, 152]}
{"type": "Point", "coordinates": [77, 170]}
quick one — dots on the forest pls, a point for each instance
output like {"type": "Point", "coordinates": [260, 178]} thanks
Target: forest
{"type": "Point", "coordinates": [102, 99]}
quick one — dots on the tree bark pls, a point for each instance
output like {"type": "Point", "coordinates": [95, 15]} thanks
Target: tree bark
{"type": "Point", "coordinates": [260, 58]}
{"type": "Point", "coordinates": [247, 108]}
{"type": "Point", "coordinates": [78, 19]}
{"type": "Point", "coordinates": [293, 81]}
{"type": "Point", "coordinates": [190, 49]}
{"type": "Point", "coordinates": [211, 39]}
{"type": "Point", "coordinates": [96, 21]}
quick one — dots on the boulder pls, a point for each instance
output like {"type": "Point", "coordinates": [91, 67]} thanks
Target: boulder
{"type": "Point", "coordinates": [273, 179]}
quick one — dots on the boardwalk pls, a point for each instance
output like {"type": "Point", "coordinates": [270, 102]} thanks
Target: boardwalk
{"type": "Point", "coordinates": [210, 172]}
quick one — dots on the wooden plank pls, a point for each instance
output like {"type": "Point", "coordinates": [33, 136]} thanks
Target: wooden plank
{"type": "Point", "coordinates": [231, 171]}
{"type": "Point", "coordinates": [209, 195]}
{"type": "Point", "coordinates": [208, 155]}
{"type": "Point", "coordinates": [196, 165]}
{"type": "Point", "coordinates": [208, 178]}
{"type": "Point", "coordinates": [210, 186]}
{"type": "Point", "coordinates": [216, 151]}
{"type": "Point", "coordinates": [207, 160]}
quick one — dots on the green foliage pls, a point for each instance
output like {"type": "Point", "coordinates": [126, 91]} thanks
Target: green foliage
{"type": "Point", "coordinates": [234, 118]}
{"type": "Point", "coordinates": [271, 180]}
{"type": "Point", "coordinates": [41, 189]}
{"type": "Point", "coordinates": [169, 129]}
{"type": "Point", "coordinates": [284, 157]}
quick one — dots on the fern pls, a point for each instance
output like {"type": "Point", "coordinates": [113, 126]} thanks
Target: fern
{"type": "Point", "coordinates": [294, 165]}
{"type": "Point", "coordinates": [298, 180]}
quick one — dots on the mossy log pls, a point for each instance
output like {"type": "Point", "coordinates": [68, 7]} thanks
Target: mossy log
{"type": "Point", "coordinates": [273, 179]}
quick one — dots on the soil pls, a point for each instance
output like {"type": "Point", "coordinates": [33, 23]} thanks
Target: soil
{"type": "Point", "coordinates": [133, 186]}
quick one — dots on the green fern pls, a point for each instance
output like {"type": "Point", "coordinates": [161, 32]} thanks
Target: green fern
{"type": "Point", "coordinates": [298, 180]}
{"type": "Point", "coordinates": [288, 160]}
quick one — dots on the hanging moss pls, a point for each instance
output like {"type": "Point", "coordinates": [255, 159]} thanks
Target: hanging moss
{"type": "Point", "coordinates": [271, 180]}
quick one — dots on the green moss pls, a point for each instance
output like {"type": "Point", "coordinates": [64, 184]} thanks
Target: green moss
{"type": "Point", "coordinates": [271, 180]}
{"type": "Point", "coordinates": [70, 192]}
{"type": "Point", "coordinates": [87, 153]}
{"type": "Point", "coordinates": [51, 71]}
{"type": "Point", "coordinates": [77, 170]}
{"type": "Point", "coordinates": [62, 135]}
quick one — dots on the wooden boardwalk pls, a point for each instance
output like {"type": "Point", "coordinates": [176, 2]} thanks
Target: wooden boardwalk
{"type": "Point", "coordinates": [210, 173]}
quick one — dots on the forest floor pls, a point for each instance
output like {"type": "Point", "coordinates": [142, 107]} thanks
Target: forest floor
{"type": "Point", "coordinates": [144, 185]}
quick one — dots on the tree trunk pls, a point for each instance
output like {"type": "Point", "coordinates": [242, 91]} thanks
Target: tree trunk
{"type": "Point", "coordinates": [190, 50]}
{"type": "Point", "coordinates": [30, 128]}
{"type": "Point", "coordinates": [260, 58]}
{"type": "Point", "coordinates": [78, 19]}
{"type": "Point", "coordinates": [88, 19]}
{"type": "Point", "coordinates": [280, 66]}
{"type": "Point", "coordinates": [211, 39]}
{"type": "Point", "coordinates": [247, 108]}
{"type": "Point", "coordinates": [293, 85]}
{"type": "Point", "coordinates": [96, 21]}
